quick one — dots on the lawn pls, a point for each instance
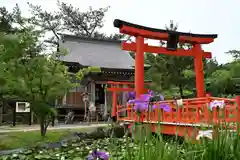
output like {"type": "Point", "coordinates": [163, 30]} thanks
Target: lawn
{"type": "Point", "coordinates": [14, 140]}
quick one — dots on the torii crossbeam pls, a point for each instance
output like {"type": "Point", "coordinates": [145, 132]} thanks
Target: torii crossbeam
{"type": "Point", "coordinates": [172, 38]}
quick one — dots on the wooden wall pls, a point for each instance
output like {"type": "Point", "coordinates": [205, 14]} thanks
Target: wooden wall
{"type": "Point", "coordinates": [74, 99]}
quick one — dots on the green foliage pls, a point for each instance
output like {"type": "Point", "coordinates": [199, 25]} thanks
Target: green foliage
{"type": "Point", "coordinates": [82, 23]}
{"type": "Point", "coordinates": [169, 72]}
{"type": "Point", "coordinates": [219, 80]}
{"type": "Point", "coordinates": [44, 112]}
{"type": "Point", "coordinates": [85, 71]}
{"type": "Point", "coordinates": [5, 20]}
{"type": "Point", "coordinates": [224, 80]}
{"type": "Point", "coordinates": [45, 78]}
{"type": "Point", "coordinates": [12, 53]}
{"type": "Point", "coordinates": [31, 76]}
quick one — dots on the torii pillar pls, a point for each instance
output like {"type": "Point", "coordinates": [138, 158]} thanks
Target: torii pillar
{"type": "Point", "coordinates": [198, 66]}
{"type": "Point", "coordinates": [139, 66]}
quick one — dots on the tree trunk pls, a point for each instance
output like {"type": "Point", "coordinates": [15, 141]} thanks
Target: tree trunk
{"type": "Point", "coordinates": [53, 120]}
{"type": "Point", "coordinates": [181, 90]}
{"type": "Point", "coordinates": [1, 115]}
{"type": "Point", "coordinates": [14, 116]}
{"type": "Point", "coordinates": [30, 117]}
{"type": "Point", "coordinates": [43, 128]}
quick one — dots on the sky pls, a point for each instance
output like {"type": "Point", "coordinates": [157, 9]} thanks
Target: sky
{"type": "Point", "coordinates": [197, 16]}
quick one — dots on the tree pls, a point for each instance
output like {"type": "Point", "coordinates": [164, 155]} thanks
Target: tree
{"type": "Point", "coordinates": [224, 79]}
{"type": "Point", "coordinates": [168, 72]}
{"type": "Point", "coordinates": [10, 48]}
{"type": "Point", "coordinates": [29, 75]}
{"type": "Point", "coordinates": [47, 22]}
{"type": "Point", "coordinates": [12, 42]}
{"type": "Point", "coordinates": [33, 77]}
{"type": "Point", "coordinates": [234, 53]}
{"type": "Point", "coordinates": [5, 20]}
{"type": "Point", "coordinates": [38, 80]}
{"type": "Point", "coordinates": [45, 79]}
{"type": "Point", "coordinates": [210, 65]}
{"type": "Point", "coordinates": [69, 19]}
{"type": "Point", "coordinates": [82, 23]}
{"type": "Point", "coordinates": [219, 81]}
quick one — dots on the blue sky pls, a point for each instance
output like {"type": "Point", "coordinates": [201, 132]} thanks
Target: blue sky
{"type": "Point", "coordinates": [202, 16]}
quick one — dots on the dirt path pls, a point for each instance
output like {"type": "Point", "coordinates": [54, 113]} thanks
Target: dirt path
{"type": "Point", "coordinates": [7, 129]}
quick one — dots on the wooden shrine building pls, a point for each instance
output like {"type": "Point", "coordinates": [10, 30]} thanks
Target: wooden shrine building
{"type": "Point", "coordinates": [115, 65]}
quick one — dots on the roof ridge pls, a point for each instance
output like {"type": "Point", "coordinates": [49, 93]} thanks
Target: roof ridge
{"type": "Point", "coordinates": [89, 38]}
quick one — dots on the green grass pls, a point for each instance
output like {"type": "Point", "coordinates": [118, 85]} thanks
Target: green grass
{"type": "Point", "coordinates": [14, 140]}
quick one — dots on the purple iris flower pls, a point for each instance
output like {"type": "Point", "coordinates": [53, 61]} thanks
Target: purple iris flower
{"type": "Point", "coordinates": [150, 92]}
{"type": "Point", "coordinates": [140, 105]}
{"type": "Point", "coordinates": [143, 102]}
{"type": "Point", "coordinates": [145, 97]}
{"type": "Point", "coordinates": [161, 98]}
{"type": "Point", "coordinates": [131, 95]}
{"type": "Point", "coordinates": [164, 106]}
{"type": "Point", "coordinates": [98, 155]}
{"type": "Point", "coordinates": [217, 103]}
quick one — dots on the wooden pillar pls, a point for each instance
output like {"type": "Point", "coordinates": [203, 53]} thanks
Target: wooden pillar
{"type": "Point", "coordinates": [64, 100]}
{"type": "Point", "coordinates": [198, 64]}
{"type": "Point", "coordinates": [124, 95]}
{"type": "Point", "coordinates": [92, 94]}
{"type": "Point", "coordinates": [139, 66]}
{"type": "Point", "coordinates": [114, 104]}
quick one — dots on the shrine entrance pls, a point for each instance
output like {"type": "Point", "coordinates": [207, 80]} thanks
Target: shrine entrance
{"type": "Point", "coordinates": [172, 38]}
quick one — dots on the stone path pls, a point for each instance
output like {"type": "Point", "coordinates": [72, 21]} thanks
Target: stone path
{"type": "Point", "coordinates": [6, 129]}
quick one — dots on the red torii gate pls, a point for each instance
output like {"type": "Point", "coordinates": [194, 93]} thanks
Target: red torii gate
{"type": "Point", "coordinates": [172, 38]}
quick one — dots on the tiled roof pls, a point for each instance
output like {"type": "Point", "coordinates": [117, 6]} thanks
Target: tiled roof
{"type": "Point", "coordinates": [96, 52]}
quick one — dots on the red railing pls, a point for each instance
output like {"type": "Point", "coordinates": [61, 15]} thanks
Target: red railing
{"type": "Point", "coordinates": [193, 111]}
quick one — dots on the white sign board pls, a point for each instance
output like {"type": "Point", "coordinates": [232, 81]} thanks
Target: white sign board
{"type": "Point", "coordinates": [22, 107]}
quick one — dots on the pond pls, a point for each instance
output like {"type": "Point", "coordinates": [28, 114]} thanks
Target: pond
{"type": "Point", "coordinates": [118, 148]}
{"type": "Point", "coordinates": [143, 147]}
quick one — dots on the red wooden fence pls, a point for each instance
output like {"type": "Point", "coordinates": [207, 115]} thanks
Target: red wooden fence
{"type": "Point", "coordinates": [193, 111]}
